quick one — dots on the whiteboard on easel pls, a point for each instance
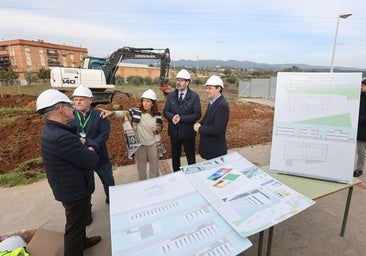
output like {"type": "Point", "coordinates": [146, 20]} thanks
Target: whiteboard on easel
{"type": "Point", "coordinates": [315, 125]}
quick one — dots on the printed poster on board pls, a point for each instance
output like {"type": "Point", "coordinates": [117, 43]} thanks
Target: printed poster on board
{"type": "Point", "coordinates": [315, 125]}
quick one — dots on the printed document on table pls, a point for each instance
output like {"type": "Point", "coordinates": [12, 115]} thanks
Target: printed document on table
{"type": "Point", "coordinates": [249, 199]}
{"type": "Point", "coordinates": [168, 216]}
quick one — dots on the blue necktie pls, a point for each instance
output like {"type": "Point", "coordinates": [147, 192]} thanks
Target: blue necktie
{"type": "Point", "coordinates": [180, 98]}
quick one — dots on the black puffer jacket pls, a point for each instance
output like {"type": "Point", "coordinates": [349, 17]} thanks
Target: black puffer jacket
{"type": "Point", "coordinates": [361, 133]}
{"type": "Point", "coordinates": [68, 163]}
{"type": "Point", "coordinates": [189, 112]}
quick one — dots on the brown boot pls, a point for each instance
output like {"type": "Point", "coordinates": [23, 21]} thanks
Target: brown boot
{"type": "Point", "coordinates": [91, 241]}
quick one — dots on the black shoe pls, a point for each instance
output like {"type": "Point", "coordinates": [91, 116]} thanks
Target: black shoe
{"type": "Point", "coordinates": [90, 220]}
{"type": "Point", "coordinates": [91, 241]}
{"type": "Point", "coordinates": [107, 201]}
{"type": "Point", "coordinates": [357, 173]}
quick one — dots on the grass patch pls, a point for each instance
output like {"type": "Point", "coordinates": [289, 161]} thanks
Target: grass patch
{"type": "Point", "coordinates": [135, 90]}
{"type": "Point", "coordinates": [9, 115]}
{"type": "Point", "coordinates": [33, 89]}
{"type": "Point", "coordinates": [27, 172]}
{"type": "Point", "coordinates": [14, 178]}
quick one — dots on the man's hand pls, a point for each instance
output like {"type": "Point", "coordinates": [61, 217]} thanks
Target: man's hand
{"type": "Point", "coordinates": [82, 140]}
{"type": "Point", "coordinates": [176, 119]}
{"type": "Point", "coordinates": [196, 127]}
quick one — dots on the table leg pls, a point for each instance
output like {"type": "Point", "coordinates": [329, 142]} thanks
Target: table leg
{"type": "Point", "coordinates": [260, 243]}
{"type": "Point", "coordinates": [346, 210]}
{"type": "Point", "coordinates": [269, 243]}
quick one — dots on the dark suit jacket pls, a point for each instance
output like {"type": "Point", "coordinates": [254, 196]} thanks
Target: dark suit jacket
{"type": "Point", "coordinates": [213, 130]}
{"type": "Point", "coordinates": [97, 133]}
{"type": "Point", "coordinates": [361, 134]}
{"type": "Point", "coordinates": [189, 111]}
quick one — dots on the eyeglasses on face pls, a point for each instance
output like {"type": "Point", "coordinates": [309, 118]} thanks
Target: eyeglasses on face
{"type": "Point", "coordinates": [69, 106]}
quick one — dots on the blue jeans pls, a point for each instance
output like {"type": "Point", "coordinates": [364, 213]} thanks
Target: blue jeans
{"type": "Point", "coordinates": [105, 174]}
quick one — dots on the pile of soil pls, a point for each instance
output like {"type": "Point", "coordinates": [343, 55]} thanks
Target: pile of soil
{"type": "Point", "coordinates": [20, 129]}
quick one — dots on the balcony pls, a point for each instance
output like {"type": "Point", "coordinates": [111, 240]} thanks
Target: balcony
{"type": "Point", "coordinates": [54, 64]}
{"type": "Point", "coordinates": [4, 61]}
{"type": "Point", "coordinates": [52, 53]}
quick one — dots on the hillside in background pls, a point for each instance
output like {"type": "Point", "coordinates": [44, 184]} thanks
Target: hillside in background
{"type": "Point", "coordinates": [255, 65]}
{"type": "Point", "coordinates": [245, 65]}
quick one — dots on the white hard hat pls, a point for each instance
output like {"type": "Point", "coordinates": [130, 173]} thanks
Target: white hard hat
{"type": "Point", "coordinates": [12, 243]}
{"type": "Point", "coordinates": [215, 80]}
{"type": "Point", "coordinates": [49, 98]}
{"type": "Point", "coordinates": [149, 94]}
{"type": "Point", "coordinates": [184, 74]}
{"type": "Point", "coordinates": [82, 91]}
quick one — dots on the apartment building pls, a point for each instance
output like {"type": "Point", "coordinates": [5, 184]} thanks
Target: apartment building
{"type": "Point", "coordinates": [30, 56]}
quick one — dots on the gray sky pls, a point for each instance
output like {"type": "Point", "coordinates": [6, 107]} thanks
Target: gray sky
{"type": "Point", "coordinates": [274, 32]}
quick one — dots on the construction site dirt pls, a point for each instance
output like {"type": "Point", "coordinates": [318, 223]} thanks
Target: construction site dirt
{"type": "Point", "coordinates": [20, 129]}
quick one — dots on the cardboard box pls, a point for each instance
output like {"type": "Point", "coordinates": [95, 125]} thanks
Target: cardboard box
{"type": "Point", "coordinates": [41, 242]}
{"type": "Point", "coordinates": [45, 243]}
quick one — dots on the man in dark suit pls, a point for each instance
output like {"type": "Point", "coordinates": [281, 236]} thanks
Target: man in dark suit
{"type": "Point", "coordinates": [182, 109]}
{"type": "Point", "coordinates": [95, 130]}
{"type": "Point", "coordinates": [212, 128]}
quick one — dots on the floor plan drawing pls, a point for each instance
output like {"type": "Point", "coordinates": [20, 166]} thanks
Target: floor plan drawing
{"type": "Point", "coordinates": [250, 200]}
{"type": "Point", "coordinates": [315, 125]}
{"type": "Point", "coordinates": [167, 216]}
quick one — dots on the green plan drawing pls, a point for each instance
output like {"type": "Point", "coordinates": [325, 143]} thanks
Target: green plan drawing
{"type": "Point", "coordinates": [343, 120]}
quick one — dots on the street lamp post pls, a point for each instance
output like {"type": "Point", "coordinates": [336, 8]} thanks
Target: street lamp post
{"type": "Point", "coordinates": [343, 16]}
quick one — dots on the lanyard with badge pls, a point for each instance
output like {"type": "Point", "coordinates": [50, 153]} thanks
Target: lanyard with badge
{"type": "Point", "coordinates": [83, 124]}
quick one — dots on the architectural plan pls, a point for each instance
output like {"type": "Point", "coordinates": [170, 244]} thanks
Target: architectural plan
{"type": "Point", "coordinates": [249, 199]}
{"type": "Point", "coordinates": [315, 125]}
{"type": "Point", "coordinates": [168, 216]}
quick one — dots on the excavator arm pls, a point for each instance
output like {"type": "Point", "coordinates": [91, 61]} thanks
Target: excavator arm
{"type": "Point", "coordinates": [111, 65]}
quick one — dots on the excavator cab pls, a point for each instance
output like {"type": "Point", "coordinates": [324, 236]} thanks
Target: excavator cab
{"type": "Point", "coordinates": [99, 73]}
